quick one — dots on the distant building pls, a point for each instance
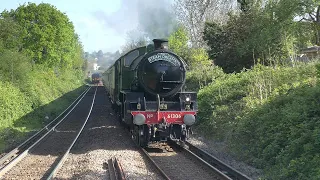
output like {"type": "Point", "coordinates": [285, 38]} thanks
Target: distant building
{"type": "Point", "coordinates": [311, 52]}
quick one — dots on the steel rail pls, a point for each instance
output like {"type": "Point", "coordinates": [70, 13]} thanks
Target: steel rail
{"type": "Point", "coordinates": [219, 172]}
{"type": "Point", "coordinates": [163, 174]}
{"type": "Point", "coordinates": [26, 142]}
{"type": "Point", "coordinates": [62, 160]}
{"type": "Point", "coordinates": [115, 170]}
{"type": "Point", "coordinates": [25, 151]}
{"type": "Point", "coordinates": [229, 171]}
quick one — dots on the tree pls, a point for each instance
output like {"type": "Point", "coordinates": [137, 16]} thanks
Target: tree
{"type": "Point", "coordinates": [100, 55]}
{"type": "Point", "coordinates": [310, 10]}
{"type": "Point", "coordinates": [193, 14]}
{"type": "Point", "coordinates": [10, 34]}
{"type": "Point", "coordinates": [265, 32]}
{"type": "Point", "coordinates": [178, 43]}
{"type": "Point", "coordinates": [47, 35]}
{"type": "Point", "coordinates": [244, 5]}
{"type": "Point", "coordinates": [14, 67]}
{"type": "Point", "coordinates": [134, 39]}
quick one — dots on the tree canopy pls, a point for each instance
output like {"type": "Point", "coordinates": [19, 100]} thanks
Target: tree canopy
{"type": "Point", "coordinates": [47, 34]}
{"type": "Point", "coordinates": [264, 31]}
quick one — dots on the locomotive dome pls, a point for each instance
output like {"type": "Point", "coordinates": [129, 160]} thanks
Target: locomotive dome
{"type": "Point", "coordinates": [161, 71]}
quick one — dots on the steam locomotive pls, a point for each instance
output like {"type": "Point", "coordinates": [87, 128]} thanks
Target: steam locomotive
{"type": "Point", "coordinates": [147, 89]}
{"type": "Point", "coordinates": [95, 78]}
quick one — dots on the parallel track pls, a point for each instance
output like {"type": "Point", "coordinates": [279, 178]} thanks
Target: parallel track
{"type": "Point", "coordinates": [11, 158]}
{"type": "Point", "coordinates": [22, 150]}
{"type": "Point", "coordinates": [63, 159]}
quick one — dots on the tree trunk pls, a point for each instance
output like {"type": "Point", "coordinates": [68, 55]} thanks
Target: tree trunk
{"type": "Point", "coordinates": [317, 26]}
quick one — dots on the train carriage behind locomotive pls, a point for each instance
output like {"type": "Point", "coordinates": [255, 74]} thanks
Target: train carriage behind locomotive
{"type": "Point", "coordinates": [146, 88]}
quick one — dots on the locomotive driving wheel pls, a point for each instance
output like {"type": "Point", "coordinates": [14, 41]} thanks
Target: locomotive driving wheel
{"type": "Point", "coordinates": [141, 135]}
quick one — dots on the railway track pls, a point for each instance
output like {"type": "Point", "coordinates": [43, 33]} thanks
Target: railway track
{"type": "Point", "coordinates": [13, 154]}
{"type": "Point", "coordinates": [42, 155]}
{"type": "Point", "coordinates": [174, 162]}
{"type": "Point", "coordinates": [215, 162]}
{"type": "Point", "coordinates": [115, 170]}
{"type": "Point", "coordinates": [102, 139]}
{"type": "Point", "coordinates": [189, 162]}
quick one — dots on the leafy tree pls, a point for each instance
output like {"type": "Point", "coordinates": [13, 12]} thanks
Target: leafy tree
{"type": "Point", "coordinates": [244, 5]}
{"type": "Point", "coordinates": [309, 10]}
{"type": "Point", "coordinates": [48, 34]}
{"type": "Point", "coordinates": [178, 43]}
{"type": "Point", "coordinates": [262, 33]}
{"type": "Point", "coordinates": [13, 67]}
{"type": "Point", "coordinates": [10, 34]}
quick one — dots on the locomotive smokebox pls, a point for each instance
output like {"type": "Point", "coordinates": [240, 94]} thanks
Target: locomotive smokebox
{"type": "Point", "coordinates": [160, 44]}
{"type": "Point", "coordinates": [161, 72]}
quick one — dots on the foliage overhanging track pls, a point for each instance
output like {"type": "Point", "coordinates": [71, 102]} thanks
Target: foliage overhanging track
{"type": "Point", "coordinates": [229, 171]}
{"type": "Point", "coordinates": [14, 156]}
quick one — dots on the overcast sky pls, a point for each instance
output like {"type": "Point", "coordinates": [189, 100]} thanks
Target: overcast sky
{"type": "Point", "coordinates": [101, 24]}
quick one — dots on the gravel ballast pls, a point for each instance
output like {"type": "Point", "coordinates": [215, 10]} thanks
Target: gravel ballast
{"type": "Point", "coordinates": [102, 139]}
{"type": "Point", "coordinates": [180, 165]}
{"type": "Point", "coordinates": [38, 163]}
{"type": "Point", "coordinates": [220, 150]}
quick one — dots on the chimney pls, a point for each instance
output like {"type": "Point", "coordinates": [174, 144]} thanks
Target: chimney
{"type": "Point", "coordinates": [160, 44]}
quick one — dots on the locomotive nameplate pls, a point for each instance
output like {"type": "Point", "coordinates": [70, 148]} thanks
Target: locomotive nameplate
{"type": "Point", "coordinates": [164, 57]}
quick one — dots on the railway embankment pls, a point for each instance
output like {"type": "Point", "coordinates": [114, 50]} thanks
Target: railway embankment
{"type": "Point", "coordinates": [267, 117]}
{"type": "Point", "coordinates": [41, 69]}
{"type": "Point", "coordinates": [30, 105]}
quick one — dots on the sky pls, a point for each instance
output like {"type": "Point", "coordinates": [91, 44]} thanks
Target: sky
{"type": "Point", "coordinates": [101, 24]}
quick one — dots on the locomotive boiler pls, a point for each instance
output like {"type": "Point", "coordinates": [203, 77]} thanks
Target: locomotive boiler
{"type": "Point", "coordinates": [146, 88]}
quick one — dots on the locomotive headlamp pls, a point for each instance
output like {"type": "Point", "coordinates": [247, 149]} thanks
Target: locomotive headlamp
{"type": "Point", "coordinates": [163, 106]}
{"type": "Point", "coordinates": [188, 100]}
{"type": "Point", "coordinates": [189, 119]}
{"type": "Point", "coordinates": [139, 119]}
{"type": "Point", "coordinates": [138, 106]}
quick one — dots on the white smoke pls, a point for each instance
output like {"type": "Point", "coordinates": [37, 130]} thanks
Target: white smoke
{"type": "Point", "coordinates": [150, 19]}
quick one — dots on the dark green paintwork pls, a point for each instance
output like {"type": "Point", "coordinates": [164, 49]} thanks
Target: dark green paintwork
{"type": "Point", "coordinates": [124, 75]}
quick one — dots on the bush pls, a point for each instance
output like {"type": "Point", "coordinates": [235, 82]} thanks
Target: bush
{"type": "Point", "coordinates": [268, 116]}
{"type": "Point", "coordinates": [200, 76]}
{"type": "Point", "coordinates": [44, 92]}
{"type": "Point", "coordinates": [283, 135]}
